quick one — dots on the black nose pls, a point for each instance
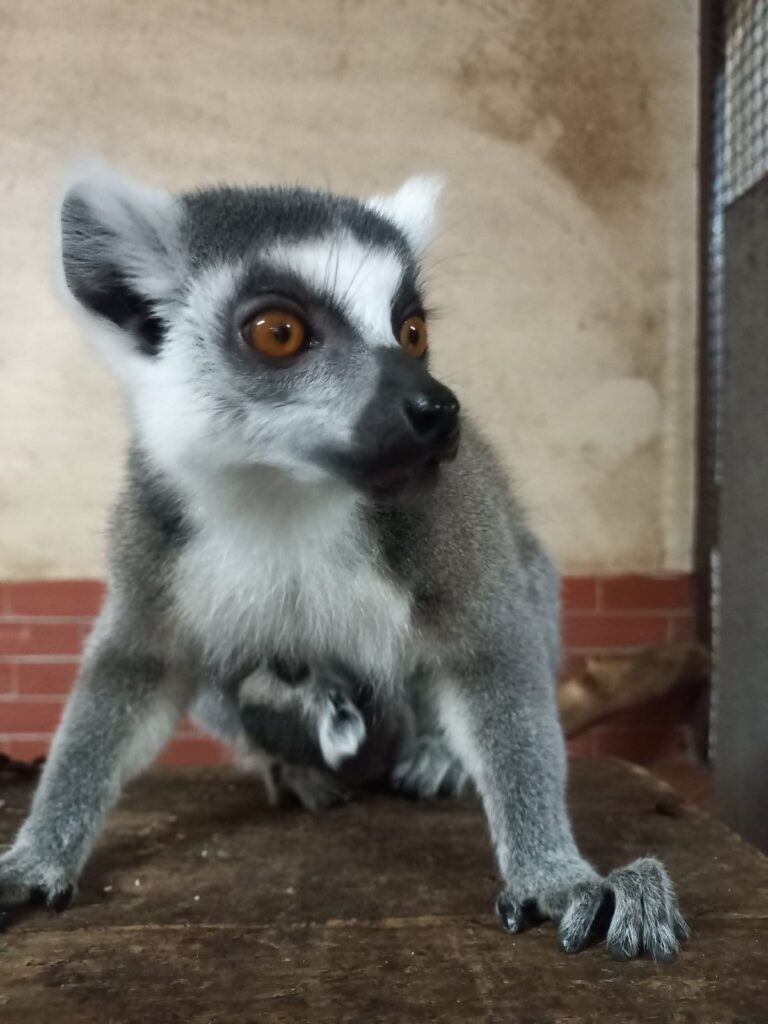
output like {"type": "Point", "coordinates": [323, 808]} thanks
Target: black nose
{"type": "Point", "coordinates": [433, 413]}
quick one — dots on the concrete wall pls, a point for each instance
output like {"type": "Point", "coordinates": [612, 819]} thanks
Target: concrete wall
{"type": "Point", "coordinates": [565, 271]}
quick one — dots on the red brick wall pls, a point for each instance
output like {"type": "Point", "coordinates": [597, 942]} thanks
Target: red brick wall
{"type": "Point", "coordinates": [43, 625]}
{"type": "Point", "coordinates": [605, 614]}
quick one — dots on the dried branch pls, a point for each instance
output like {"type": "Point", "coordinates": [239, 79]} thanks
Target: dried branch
{"type": "Point", "coordinates": [613, 683]}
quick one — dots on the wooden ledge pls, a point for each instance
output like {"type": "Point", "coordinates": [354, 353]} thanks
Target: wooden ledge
{"type": "Point", "coordinates": [202, 905]}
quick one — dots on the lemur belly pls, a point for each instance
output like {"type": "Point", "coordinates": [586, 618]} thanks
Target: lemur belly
{"type": "Point", "coordinates": [306, 588]}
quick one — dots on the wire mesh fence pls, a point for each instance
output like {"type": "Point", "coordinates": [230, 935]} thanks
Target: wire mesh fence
{"type": "Point", "coordinates": [745, 95]}
{"type": "Point", "coordinates": [735, 160]}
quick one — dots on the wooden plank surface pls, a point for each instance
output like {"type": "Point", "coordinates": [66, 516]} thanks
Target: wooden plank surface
{"type": "Point", "coordinates": [204, 906]}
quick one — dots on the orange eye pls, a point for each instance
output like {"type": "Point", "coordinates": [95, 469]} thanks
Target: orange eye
{"type": "Point", "coordinates": [276, 333]}
{"type": "Point", "coordinates": [413, 335]}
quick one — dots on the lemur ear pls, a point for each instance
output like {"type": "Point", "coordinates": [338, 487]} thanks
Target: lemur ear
{"type": "Point", "coordinates": [121, 251]}
{"type": "Point", "coordinates": [413, 208]}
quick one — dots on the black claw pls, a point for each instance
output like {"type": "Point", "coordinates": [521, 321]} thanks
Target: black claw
{"type": "Point", "coordinates": [447, 787]}
{"type": "Point", "coordinates": [8, 918]}
{"type": "Point", "coordinates": [662, 954]}
{"type": "Point", "coordinates": [406, 789]}
{"type": "Point", "coordinates": [572, 944]}
{"type": "Point", "coordinates": [510, 913]}
{"type": "Point", "coordinates": [410, 793]}
{"type": "Point", "coordinates": [61, 900]}
{"type": "Point", "coordinates": [618, 952]}
{"type": "Point", "coordinates": [589, 932]}
{"type": "Point", "coordinates": [38, 897]}
{"type": "Point", "coordinates": [532, 913]}
{"type": "Point", "coordinates": [660, 944]}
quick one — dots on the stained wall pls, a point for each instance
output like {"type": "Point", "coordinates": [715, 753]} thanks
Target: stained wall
{"type": "Point", "coordinates": [564, 271]}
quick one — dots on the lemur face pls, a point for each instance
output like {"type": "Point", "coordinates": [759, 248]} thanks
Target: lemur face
{"type": "Point", "coordinates": [266, 327]}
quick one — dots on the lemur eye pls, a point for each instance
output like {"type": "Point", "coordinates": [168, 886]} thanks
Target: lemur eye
{"type": "Point", "coordinates": [277, 333]}
{"type": "Point", "coordinates": [413, 335]}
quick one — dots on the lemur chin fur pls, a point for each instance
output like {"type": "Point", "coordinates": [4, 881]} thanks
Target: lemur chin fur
{"type": "Point", "coordinates": [303, 553]}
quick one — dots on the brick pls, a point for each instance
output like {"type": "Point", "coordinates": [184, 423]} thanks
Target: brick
{"type": "Point", "coordinates": [7, 677]}
{"type": "Point", "coordinates": [642, 746]}
{"type": "Point", "coordinates": [25, 748]}
{"type": "Point", "coordinates": [33, 716]}
{"type": "Point", "coordinates": [581, 745]}
{"type": "Point", "coordinates": [41, 677]}
{"type": "Point", "coordinates": [579, 592]}
{"type": "Point", "coordinates": [680, 628]}
{"type": "Point", "coordinates": [637, 593]}
{"type": "Point", "coordinates": [73, 598]}
{"type": "Point", "coordinates": [613, 631]}
{"type": "Point", "coordinates": [194, 750]}
{"type": "Point", "coordinates": [663, 713]}
{"type": "Point", "coordinates": [29, 638]}
{"type": "Point", "coordinates": [573, 664]}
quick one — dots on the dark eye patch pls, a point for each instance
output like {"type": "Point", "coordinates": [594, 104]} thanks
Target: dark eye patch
{"type": "Point", "coordinates": [265, 284]}
{"type": "Point", "coordinates": [289, 671]}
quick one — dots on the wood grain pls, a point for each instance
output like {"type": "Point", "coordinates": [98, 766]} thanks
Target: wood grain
{"type": "Point", "coordinates": [202, 905]}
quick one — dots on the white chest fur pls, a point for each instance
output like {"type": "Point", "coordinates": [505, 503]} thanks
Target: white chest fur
{"type": "Point", "coordinates": [285, 575]}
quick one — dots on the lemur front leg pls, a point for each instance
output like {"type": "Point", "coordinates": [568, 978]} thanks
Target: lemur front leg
{"type": "Point", "coordinates": [123, 709]}
{"type": "Point", "coordinates": [499, 715]}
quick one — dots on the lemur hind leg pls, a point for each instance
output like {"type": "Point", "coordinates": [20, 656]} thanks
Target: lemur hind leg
{"type": "Point", "coordinates": [426, 765]}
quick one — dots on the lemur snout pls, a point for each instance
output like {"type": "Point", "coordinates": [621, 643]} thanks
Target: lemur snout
{"type": "Point", "coordinates": [434, 415]}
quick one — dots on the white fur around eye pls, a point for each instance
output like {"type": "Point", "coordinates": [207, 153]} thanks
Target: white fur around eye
{"type": "Point", "coordinates": [361, 279]}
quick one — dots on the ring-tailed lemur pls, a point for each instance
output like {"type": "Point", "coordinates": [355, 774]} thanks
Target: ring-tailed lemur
{"type": "Point", "coordinates": [296, 491]}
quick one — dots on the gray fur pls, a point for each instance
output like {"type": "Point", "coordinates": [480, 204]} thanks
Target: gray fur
{"type": "Point", "coordinates": [429, 769]}
{"type": "Point", "coordinates": [251, 528]}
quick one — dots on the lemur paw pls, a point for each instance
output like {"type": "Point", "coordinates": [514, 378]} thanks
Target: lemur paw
{"type": "Point", "coordinates": [26, 878]}
{"type": "Point", "coordinates": [634, 910]}
{"type": "Point", "coordinates": [316, 790]}
{"type": "Point", "coordinates": [429, 769]}
{"type": "Point", "coordinates": [646, 917]}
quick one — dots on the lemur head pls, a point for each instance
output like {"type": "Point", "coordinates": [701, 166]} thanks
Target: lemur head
{"type": "Point", "coordinates": [275, 327]}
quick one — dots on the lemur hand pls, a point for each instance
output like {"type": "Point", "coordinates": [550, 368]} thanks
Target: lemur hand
{"type": "Point", "coordinates": [634, 909]}
{"type": "Point", "coordinates": [28, 877]}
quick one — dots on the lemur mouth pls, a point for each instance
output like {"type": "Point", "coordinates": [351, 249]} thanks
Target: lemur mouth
{"type": "Point", "coordinates": [390, 481]}
{"type": "Point", "coordinates": [388, 473]}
